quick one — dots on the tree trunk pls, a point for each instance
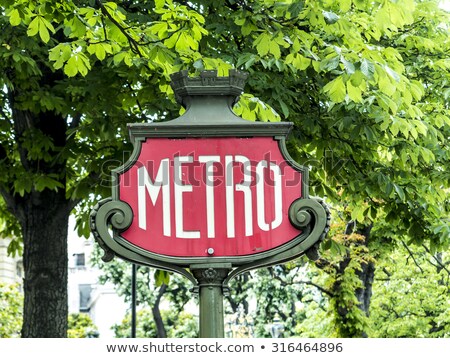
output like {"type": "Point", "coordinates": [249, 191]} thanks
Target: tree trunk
{"type": "Point", "coordinates": [43, 215]}
{"type": "Point", "coordinates": [366, 275]}
{"type": "Point", "coordinates": [160, 329]}
{"type": "Point", "coordinates": [363, 294]}
{"type": "Point", "coordinates": [44, 220]}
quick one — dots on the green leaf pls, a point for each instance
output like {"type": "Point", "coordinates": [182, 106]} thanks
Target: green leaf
{"type": "Point", "coordinates": [284, 108]}
{"type": "Point", "coordinates": [417, 90]}
{"type": "Point", "coordinates": [42, 26]}
{"type": "Point", "coordinates": [373, 213]}
{"type": "Point", "coordinates": [70, 69]}
{"type": "Point", "coordinates": [161, 277]}
{"type": "Point", "coordinates": [336, 89]}
{"type": "Point", "coordinates": [301, 62]}
{"type": "Point", "coordinates": [14, 17]}
{"type": "Point", "coordinates": [99, 51]}
{"type": "Point", "coordinates": [349, 67]}
{"type": "Point", "coordinates": [326, 244]}
{"type": "Point", "coordinates": [330, 64]}
{"type": "Point", "coordinates": [427, 155]}
{"type": "Point", "coordinates": [46, 182]}
{"type": "Point", "coordinates": [400, 192]}
{"type": "Point", "coordinates": [159, 4]}
{"type": "Point", "coordinates": [388, 188]}
{"type": "Point", "coordinates": [262, 44]}
{"type": "Point", "coordinates": [354, 93]}
{"type": "Point", "coordinates": [357, 213]}
{"type": "Point", "coordinates": [274, 49]}
{"type": "Point", "coordinates": [370, 134]}
{"type": "Point", "coordinates": [172, 40]}
{"type": "Point", "coordinates": [47, 24]}
{"type": "Point", "coordinates": [22, 185]}
{"type": "Point", "coordinates": [43, 32]}
{"type": "Point", "coordinates": [345, 5]}
{"type": "Point", "coordinates": [392, 73]}
{"type": "Point", "coordinates": [33, 27]}
{"type": "Point", "coordinates": [295, 8]}
{"type": "Point", "coordinates": [118, 58]}
{"type": "Point", "coordinates": [367, 68]}
{"type": "Point", "coordinates": [330, 17]}
{"type": "Point", "coordinates": [386, 85]}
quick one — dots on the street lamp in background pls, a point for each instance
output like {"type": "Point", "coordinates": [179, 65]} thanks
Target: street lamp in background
{"type": "Point", "coordinates": [277, 327]}
{"type": "Point", "coordinates": [239, 325]}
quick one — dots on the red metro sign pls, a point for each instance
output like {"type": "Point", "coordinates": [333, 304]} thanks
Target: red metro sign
{"type": "Point", "coordinates": [209, 188]}
{"type": "Point", "coordinates": [210, 196]}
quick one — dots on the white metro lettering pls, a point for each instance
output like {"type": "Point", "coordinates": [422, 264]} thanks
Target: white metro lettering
{"type": "Point", "coordinates": [174, 190]}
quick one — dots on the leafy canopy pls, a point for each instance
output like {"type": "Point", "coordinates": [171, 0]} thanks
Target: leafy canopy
{"type": "Point", "coordinates": [366, 84]}
{"type": "Point", "coordinates": [365, 81]}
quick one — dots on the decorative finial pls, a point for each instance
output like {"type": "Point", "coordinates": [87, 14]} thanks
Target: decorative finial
{"type": "Point", "coordinates": [208, 83]}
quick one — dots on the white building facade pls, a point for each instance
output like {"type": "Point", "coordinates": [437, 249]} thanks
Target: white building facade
{"type": "Point", "coordinates": [86, 294]}
{"type": "Point", "coordinates": [11, 268]}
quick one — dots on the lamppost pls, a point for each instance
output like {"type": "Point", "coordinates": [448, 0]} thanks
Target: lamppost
{"type": "Point", "coordinates": [277, 327]}
{"type": "Point", "coordinates": [239, 325]}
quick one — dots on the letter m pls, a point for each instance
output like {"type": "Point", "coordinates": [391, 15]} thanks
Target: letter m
{"type": "Point", "coordinates": [145, 184]}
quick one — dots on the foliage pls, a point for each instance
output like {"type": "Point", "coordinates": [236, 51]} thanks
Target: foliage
{"type": "Point", "coordinates": [11, 302]}
{"type": "Point", "coordinates": [342, 263]}
{"type": "Point", "coordinates": [180, 324]}
{"type": "Point", "coordinates": [410, 298]}
{"type": "Point", "coordinates": [351, 85]}
{"type": "Point", "coordinates": [279, 291]}
{"type": "Point", "coordinates": [11, 307]}
{"type": "Point", "coordinates": [118, 272]}
{"type": "Point", "coordinates": [80, 325]}
{"type": "Point", "coordinates": [413, 299]}
{"type": "Point", "coordinates": [9, 228]}
{"type": "Point", "coordinates": [152, 293]}
{"type": "Point", "coordinates": [365, 84]}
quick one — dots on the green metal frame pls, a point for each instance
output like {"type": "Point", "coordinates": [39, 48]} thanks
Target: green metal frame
{"type": "Point", "coordinates": [202, 97]}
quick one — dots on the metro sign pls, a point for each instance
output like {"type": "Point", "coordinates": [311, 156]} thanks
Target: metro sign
{"type": "Point", "coordinates": [209, 188]}
{"type": "Point", "coordinates": [210, 196]}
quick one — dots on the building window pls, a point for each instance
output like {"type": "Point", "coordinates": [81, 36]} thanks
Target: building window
{"type": "Point", "coordinates": [85, 296]}
{"type": "Point", "coordinates": [19, 269]}
{"type": "Point", "coordinates": [80, 260]}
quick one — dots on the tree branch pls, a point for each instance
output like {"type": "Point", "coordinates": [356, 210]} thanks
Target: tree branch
{"type": "Point", "coordinates": [412, 255]}
{"type": "Point", "coordinates": [4, 115]}
{"type": "Point", "coordinates": [76, 119]}
{"type": "Point", "coordinates": [320, 288]}
{"type": "Point", "coordinates": [9, 199]}
{"type": "Point", "coordinates": [439, 263]}
{"type": "Point", "coordinates": [133, 43]}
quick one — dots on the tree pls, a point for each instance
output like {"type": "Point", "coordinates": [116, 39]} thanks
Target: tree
{"type": "Point", "coordinates": [179, 325]}
{"type": "Point", "coordinates": [365, 81]}
{"type": "Point", "coordinates": [10, 311]}
{"type": "Point", "coordinates": [278, 292]}
{"type": "Point", "coordinates": [152, 288]}
{"type": "Point", "coordinates": [80, 325]}
{"type": "Point", "coordinates": [412, 295]}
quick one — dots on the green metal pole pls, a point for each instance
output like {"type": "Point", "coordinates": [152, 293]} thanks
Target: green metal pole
{"type": "Point", "coordinates": [210, 280]}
